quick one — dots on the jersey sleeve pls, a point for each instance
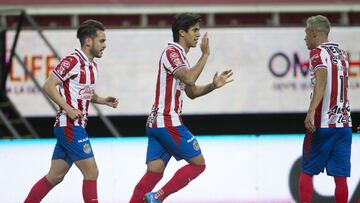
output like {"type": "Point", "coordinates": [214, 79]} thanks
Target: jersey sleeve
{"type": "Point", "coordinates": [172, 60]}
{"type": "Point", "coordinates": [317, 59]}
{"type": "Point", "coordinates": [66, 68]}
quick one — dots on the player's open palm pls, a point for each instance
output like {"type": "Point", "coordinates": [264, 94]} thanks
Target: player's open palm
{"type": "Point", "coordinates": [204, 46]}
{"type": "Point", "coordinates": [222, 79]}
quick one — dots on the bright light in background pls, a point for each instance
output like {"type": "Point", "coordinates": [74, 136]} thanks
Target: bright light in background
{"type": "Point", "coordinates": [239, 169]}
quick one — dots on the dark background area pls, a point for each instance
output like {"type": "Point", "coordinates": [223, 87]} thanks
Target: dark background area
{"type": "Point", "coordinates": [214, 124]}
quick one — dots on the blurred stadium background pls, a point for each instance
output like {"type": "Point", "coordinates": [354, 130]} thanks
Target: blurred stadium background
{"type": "Point", "coordinates": [252, 129]}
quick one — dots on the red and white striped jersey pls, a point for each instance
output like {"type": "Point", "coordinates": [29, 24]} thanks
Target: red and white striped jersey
{"type": "Point", "coordinates": [78, 76]}
{"type": "Point", "coordinates": [169, 90]}
{"type": "Point", "coordinates": [334, 109]}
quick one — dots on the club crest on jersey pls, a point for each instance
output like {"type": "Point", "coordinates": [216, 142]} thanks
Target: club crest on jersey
{"type": "Point", "coordinates": [86, 148]}
{"type": "Point", "coordinates": [61, 69]}
{"type": "Point", "coordinates": [196, 145]}
{"type": "Point", "coordinates": [65, 64]}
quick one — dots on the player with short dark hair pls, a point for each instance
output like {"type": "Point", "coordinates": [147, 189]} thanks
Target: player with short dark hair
{"type": "Point", "coordinates": [72, 86]}
{"type": "Point", "coordinates": [167, 135]}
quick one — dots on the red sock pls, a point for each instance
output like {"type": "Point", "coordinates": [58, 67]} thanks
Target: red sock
{"type": "Point", "coordinates": [146, 184]}
{"type": "Point", "coordinates": [39, 191]}
{"type": "Point", "coordinates": [181, 178]}
{"type": "Point", "coordinates": [341, 190]}
{"type": "Point", "coordinates": [89, 191]}
{"type": "Point", "coordinates": [305, 188]}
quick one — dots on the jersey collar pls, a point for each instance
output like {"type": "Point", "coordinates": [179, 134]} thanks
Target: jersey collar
{"type": "Point", "coordinates": [82, 55]}
{"type": "Point", "coordinates": [329, 44]}
{"type": "Point", "coordinates": [177, 46]}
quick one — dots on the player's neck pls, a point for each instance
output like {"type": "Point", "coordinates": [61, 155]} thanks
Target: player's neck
{"type": "Point", "coordinates": [184, 46]}
{"type": "Point", "coordinates": [322, 40]}
{"type": "Point", "coordinates": [87, 53]}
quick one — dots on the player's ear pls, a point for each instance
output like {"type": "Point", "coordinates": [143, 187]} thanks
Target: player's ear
{"type": "Point", "coordinates": [88, 42]}
{"type": "Point", "coordinates": [313, 32]}
{"type": "Point", "coordinates": [182, 33]}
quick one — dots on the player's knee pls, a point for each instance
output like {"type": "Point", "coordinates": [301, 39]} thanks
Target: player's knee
{"type": "Point", "coordinates": [157, 166]}
{"type": "Point", "coordinates": [94, 173]}
{"type": "Point", "coordinates": [91, 174]}
{"type": "Point", "coordinates": [55, 179]}
{"type": "Point", "coordinates": [200, 168]}
{"type": "Point", "coordinates": [59, 178]}
{"type": "Point", "coordinates": [198, 160]}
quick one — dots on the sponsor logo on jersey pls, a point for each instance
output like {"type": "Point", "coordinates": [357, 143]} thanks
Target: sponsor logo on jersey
{"type": "Point", "coordinates": [86, 93]}
{"type": "Point", "coordinates": [339, 109]}
{"type": "Point", "coordinates": [314, 57]}
{"type": "Point", "coordinates": [177, 61]}
{"type": "Point", "coordinates": [174, 55]}
{"type": "Point", "coordinates": [60, 70]}
{"type": "Point", "coordinates": [83, 140]}
{"type": "Point", "coordinates": [190, 140]}
{"type": "Point", "coordinates": [152, 116]}
{"type": "Point", "coordinates": [336, 118]}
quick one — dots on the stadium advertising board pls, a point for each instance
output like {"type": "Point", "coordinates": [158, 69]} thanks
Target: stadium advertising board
{"type": "Point", "coordinates": [270, 69]}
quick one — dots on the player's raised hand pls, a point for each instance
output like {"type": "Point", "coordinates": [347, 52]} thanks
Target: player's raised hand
{"type": "Point", "coordinates": [111, 101]}
{"type": "Point", "coordinates": [205, 48]}
{"type": "Point", "coordinates": [222, 79]}
{"type": "Point", "coordinates": [75, 114]}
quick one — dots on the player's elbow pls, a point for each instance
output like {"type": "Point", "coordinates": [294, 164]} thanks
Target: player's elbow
{"type": "Point", "coordinates": [45, 87]}
{"type": "Point", "coordinates": [189, 81]}
{"type": "Point", "coordinates": [186, 77]}
{"type": "Point", "coordinates": [191, 96]}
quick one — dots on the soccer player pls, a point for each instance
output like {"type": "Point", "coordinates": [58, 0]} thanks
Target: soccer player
{"type": "Point", "coordinates": [167, 136]}
{"type": "Point", "coordinates": [76, 76]}
{"type": "Point", "coordinates": [327, 143]}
